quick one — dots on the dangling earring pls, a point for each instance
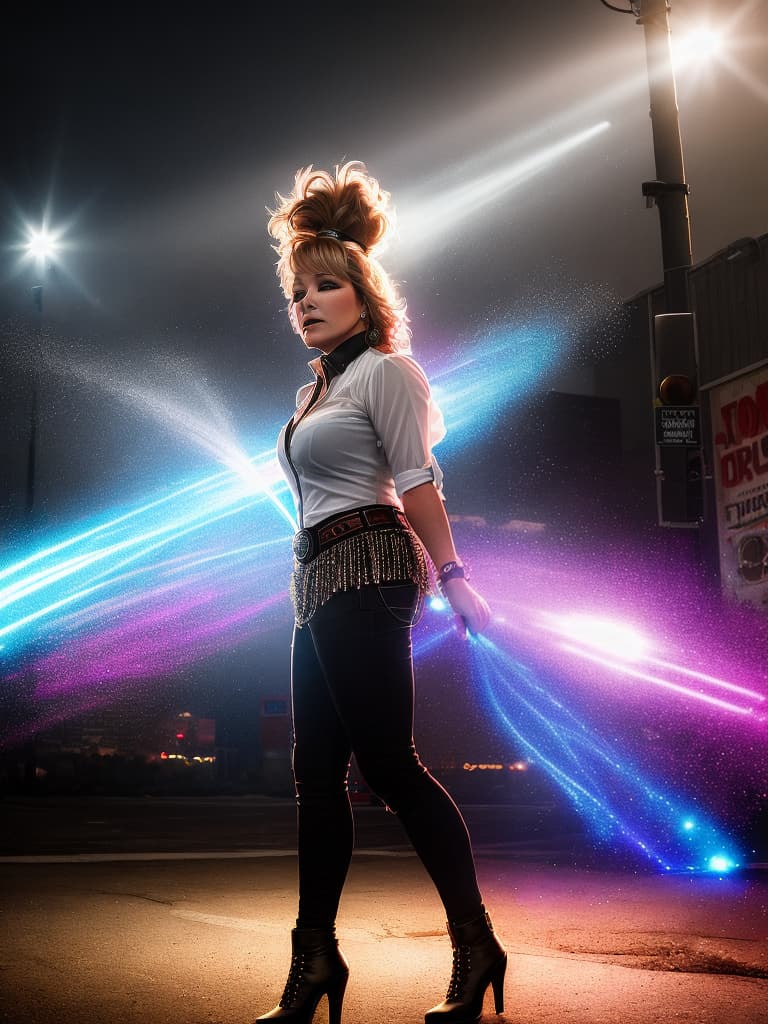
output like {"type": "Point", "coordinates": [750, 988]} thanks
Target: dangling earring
{"type": "Point", "coordinates": [374, 334]}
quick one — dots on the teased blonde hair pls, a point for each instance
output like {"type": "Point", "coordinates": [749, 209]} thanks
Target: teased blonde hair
{"type": "Point", "coordinates": [353, 203]}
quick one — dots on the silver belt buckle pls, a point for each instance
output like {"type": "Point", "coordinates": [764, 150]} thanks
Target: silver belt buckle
{"type": "Point", "coordinates": [304, 546]}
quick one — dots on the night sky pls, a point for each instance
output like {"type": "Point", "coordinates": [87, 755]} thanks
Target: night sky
{"type": "Point", "coordinates": [161, 133]}
{"type": "Point", "coordinates": [157, 137]}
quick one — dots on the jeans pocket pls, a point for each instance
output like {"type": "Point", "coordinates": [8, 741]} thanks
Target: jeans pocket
{"type": "Point", "coordinates": [403, 602]}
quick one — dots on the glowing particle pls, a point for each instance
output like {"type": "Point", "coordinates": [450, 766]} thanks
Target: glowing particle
{"type": "Point", "coordinates": [720, 864]}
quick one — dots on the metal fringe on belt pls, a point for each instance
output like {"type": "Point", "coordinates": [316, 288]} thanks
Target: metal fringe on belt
{"type": "Point", "coordinates": [373, 556]}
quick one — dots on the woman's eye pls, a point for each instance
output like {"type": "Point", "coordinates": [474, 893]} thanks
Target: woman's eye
{"type": "Point", "coordinates": [298, 296]}
{"type": "Point", "coordinates": [327, 285]}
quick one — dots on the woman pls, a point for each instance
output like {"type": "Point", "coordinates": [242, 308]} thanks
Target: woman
{"type": "Point", "coordinates": [357, 455]}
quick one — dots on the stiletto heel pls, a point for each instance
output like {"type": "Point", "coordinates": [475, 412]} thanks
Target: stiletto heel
{"type": "Point", "coordinates": [335, 999]}
{"type": "Point", "coordinates": [479, 961]}
{"type": "Point", "coordinates": [498, 986]}
{"type": "Point", "coordinates": [318, 968]}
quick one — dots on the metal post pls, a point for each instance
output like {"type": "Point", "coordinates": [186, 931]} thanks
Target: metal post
{"type": "Point", "coordinates": [669, 191]}
{"type": "Point", "coordinates": [31, 456]}
{"type": "Point", "coordinates": [679, 460]}
{"type": "Point", "coordinates": [29, 748]}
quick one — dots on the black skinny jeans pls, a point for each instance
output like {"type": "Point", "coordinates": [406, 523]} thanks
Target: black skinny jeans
{"type": "Point", "coordinates": [352, 692]}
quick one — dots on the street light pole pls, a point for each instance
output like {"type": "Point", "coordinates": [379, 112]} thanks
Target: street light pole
{"type": "Point", "coordinates": [31, 456]}
{"type": "Point", "coordinates": [37, 302]}
{"type": "Point", "coordinates": [41, 246]}
{"type": "Point", "coordinates": [670, 190]}
{"type": "Point", "coordinates": [679, 458]}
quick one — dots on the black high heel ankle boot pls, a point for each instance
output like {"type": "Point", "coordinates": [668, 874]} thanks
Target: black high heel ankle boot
{"type": "Point", "coordinates": [479, 960]}
{"type": "Point", "coordinates": [318, 968]}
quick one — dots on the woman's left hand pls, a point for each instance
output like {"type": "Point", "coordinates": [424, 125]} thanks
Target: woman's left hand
{"type": "Point", "coordinates": [470, 607]}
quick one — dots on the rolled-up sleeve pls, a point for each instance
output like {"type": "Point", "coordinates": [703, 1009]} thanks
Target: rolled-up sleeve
{"type": "Point", "coordinates": [406, 420]}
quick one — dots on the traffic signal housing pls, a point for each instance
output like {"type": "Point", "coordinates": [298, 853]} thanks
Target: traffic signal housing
{"type": "Point", "coordinates": [677, 420]}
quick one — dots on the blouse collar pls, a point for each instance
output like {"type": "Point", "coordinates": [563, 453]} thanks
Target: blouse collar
{"type": "Point", "coordinates": [336, 362]}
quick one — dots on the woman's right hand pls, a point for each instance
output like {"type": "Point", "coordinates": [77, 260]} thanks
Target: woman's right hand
{"type": "Point", "coordinates": [470, 607]}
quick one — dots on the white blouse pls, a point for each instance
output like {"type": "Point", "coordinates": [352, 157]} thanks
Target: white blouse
{"type": "Point", "coordinates": [367, 441]}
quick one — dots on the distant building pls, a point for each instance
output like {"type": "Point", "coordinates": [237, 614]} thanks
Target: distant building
{"type": "Point", "coordinates": [118, 731]}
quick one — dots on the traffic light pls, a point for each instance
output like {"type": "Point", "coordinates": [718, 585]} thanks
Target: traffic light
{"type": "Point", "coordinates": [677, 420]}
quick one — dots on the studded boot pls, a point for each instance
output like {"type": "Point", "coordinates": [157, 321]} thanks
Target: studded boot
{"type": "Point", "coordinates": [318, 968]}
{"type": "Point", "coordinates": [479, 960]}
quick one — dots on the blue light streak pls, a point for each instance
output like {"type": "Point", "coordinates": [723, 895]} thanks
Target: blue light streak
{"type": "Point", "coordinates": [504, 365]}
{"type": "Point", "coordinates": [610, 793]}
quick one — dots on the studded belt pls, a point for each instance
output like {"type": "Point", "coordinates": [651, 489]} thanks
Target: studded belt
{"type": "Point", "coordinates": [309, 542]}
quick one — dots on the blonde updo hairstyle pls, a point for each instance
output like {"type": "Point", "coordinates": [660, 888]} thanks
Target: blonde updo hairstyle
{"type": "Point", "coordinates": [352, 203]}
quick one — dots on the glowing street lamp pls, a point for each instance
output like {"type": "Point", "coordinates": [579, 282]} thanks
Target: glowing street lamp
{"type": "Point", "coordinates": [42, 245]}
{"type": "Point", "coordinates": [701, 45]}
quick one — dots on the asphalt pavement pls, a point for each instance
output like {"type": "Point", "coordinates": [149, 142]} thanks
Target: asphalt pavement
{"type": "Point", "coordinates": [114, 932]}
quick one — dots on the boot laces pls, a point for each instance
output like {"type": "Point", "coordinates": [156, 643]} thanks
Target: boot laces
{"type": "Point", "coordinates": [295, 977]}
{"type": "Point", "coordinates": [459, 972]}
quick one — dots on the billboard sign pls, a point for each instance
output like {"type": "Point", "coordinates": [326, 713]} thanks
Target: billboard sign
{"type": "Point", "coordinates": [739, 409]}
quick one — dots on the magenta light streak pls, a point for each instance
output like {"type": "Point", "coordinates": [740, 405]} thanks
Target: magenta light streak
{"type": "Point", "coordinates": [96, 670]}
{"type": "Point", "coordinates": [623, 642]}
{"type": "Point", "coordinates": [159, 642]}
{"type": "Point", "coordinates": [191, 609]}
{"type": "Point", "coordinates": [527, 629]}
{"type": "Point", "coordinates": [614, 644]}
{"type": "Point", "coordinates": [720, 644]}
{"type": "Point", "coordinates": [714, 680]}
{"type": "Point", "coordinates": [624, 669]}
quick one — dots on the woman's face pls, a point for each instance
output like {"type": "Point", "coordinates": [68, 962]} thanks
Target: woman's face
{"type": "Point", "coordinates": [327, 310]}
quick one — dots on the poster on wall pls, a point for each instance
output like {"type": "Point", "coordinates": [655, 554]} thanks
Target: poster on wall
{"type": "Point", "coordinates": [739, 410]}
